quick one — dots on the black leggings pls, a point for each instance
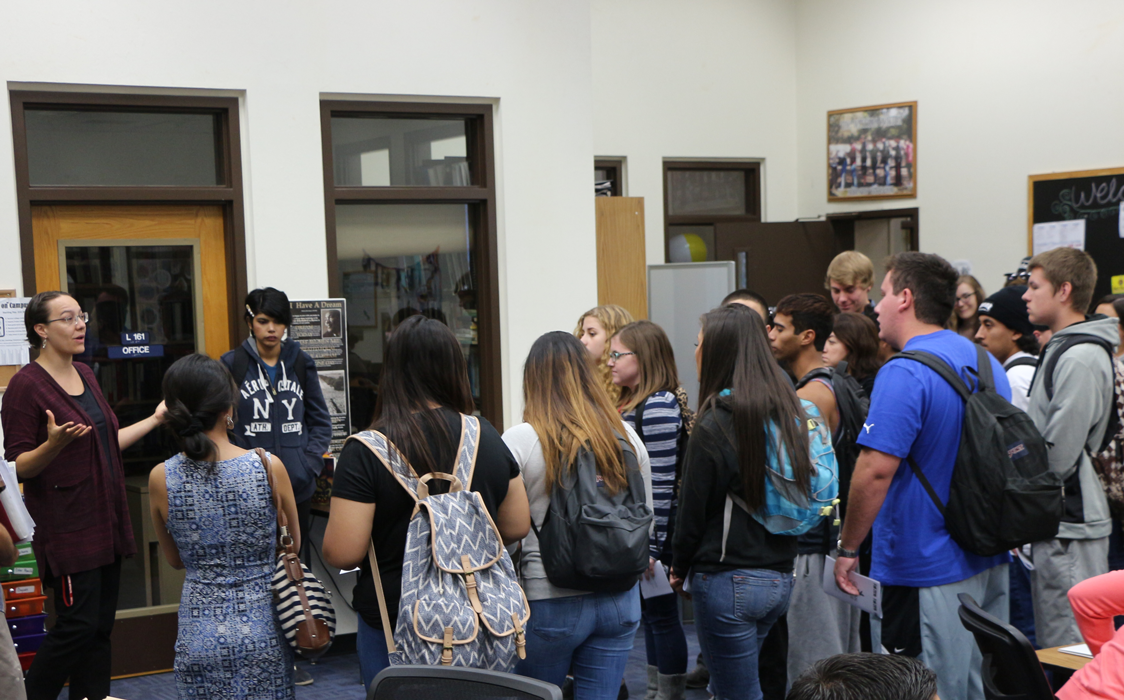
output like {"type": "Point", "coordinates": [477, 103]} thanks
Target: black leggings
{"type": "Point", "coordinates": [77, 647]}
{"type": "Point", "coordinates": [304, 519]}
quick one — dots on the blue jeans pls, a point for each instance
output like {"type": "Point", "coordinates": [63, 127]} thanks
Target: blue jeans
{"type": "Point", "coordinates": [734, 611]}
{"type": "Point", "coordinates": [1021, 613]}
{"type": "Point", "coordinates": [664, 639]}
{"type": "Point", "coordinates": [593, 632]}
{"type": "Point", "coordinates": [370, 643]}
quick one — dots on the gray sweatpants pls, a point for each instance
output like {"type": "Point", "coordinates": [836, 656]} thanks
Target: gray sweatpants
{"type": "Point", "coordinates": [819, 626]}
{"type": "Point", "coordinates": [1059, 565]}
{"type": "Point", "coordinates": [11, 675]}
{"type": "Point", "coordinates": [946, 646]}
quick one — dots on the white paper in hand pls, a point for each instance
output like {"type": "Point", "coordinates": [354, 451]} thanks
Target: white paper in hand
{"type": "Point", "coordinates": [12, 503]}
{"type": "Point", "coordinates": [657, 585]}
{"type": "Point", "coordinates": [869, 598]}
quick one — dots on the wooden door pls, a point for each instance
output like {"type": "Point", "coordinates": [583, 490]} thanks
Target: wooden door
{"type": "Point", "coordinates": [777, 259]}
{"type": "Point", "coordinates": [622, 268]}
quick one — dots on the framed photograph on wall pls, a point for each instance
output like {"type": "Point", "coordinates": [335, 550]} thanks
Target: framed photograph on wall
{"type": "Point", "coordinates": [872, 152]}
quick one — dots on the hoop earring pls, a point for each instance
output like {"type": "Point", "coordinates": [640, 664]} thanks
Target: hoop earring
{"type": "Point", "coordinates": [229, 422]}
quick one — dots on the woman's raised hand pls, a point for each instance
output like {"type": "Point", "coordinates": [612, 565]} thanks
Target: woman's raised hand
{"type": "Point", "coordinates": [59, 436]}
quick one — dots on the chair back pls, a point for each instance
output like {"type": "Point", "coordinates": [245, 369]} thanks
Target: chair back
{"type": "Point", "coordinates": [444, 682]}
{"type": "Point", "coordinates": [1010, 670]}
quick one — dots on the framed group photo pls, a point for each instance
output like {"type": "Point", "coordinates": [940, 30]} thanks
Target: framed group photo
{"type": "Point", "coordinates": [872, 152]}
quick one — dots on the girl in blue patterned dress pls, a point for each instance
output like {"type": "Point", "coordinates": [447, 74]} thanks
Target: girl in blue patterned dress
{"type": "Point", "coordinates": [214, 516]}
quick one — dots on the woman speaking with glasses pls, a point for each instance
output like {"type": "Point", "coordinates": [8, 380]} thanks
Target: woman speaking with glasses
{"type": "Point", "coordinates": [65, 443]}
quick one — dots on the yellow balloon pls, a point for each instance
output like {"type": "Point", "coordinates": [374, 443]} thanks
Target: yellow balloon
{"type": "Point", "coordinates": [697, 246]}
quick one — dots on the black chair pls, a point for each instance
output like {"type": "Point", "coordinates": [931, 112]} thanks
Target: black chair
{"type": "Point", "coordinates": [455, 683]}
{"type": "Point", "coordinates": [1010, 670]}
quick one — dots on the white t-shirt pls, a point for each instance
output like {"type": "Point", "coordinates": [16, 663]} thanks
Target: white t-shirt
{"type": "Point", "coordinates": [1020, 377]}
{"type": "Point", "coordinates": [524, 444]}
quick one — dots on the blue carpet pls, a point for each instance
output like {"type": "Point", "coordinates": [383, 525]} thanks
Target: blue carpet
{"type": "Point", "coordinates": [337, 678]}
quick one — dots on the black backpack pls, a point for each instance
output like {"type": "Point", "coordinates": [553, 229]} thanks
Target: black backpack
{"type": "Point", "coordinates": [1108, 461]}
{"type": "Point", "coordinates": [853, 405]}
{"type": "Point", "coordinates": [1021, 362]}
{"type": "Point", "coordinates": [1003, 494]}
{"type": "Point", "coordinates": [680, 452]}
{"type": "Point", "coordinates": [592, 540]}
{"type": "Point", "coordinates": [242, 363]}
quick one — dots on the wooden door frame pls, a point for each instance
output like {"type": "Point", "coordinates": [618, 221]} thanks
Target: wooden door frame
{"type": "Point", "coordinates": [844, 225]}
{"type": "Point", "coordinates": [229, 194]}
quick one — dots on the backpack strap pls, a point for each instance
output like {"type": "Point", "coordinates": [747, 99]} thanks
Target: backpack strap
{"type": "Point", "coordinates": [241, 364]}
{"type": "Point", "coordinates": [301, 368]}
{"type": "Point", "coordinates": [818, 373]}
{"type": "Point", "coordinates": [394, 461]}
{"type": "Point", "coordinates": [638, 419]}
{"type": "Point", "coordinates": [1049, 359]}
{"type": "Point", "coordinates": [1021, 362]}
{"type": "Point", "coordinates": [942, 368]}
{"type": "Point", "coordinates": [465, 465]}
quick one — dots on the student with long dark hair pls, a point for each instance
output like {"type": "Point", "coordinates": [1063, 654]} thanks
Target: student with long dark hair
{"type": "Point", "coordinates": [65, 443]}
{"type": "Point", "coordinates": [212, 508]}
{"type": "Point", "coordinates": [740, 573]}
{"type": "Point", "coordinates": [643, 366]}
{"type": "Point", "coordinates": [566, 409]}
{"type": "Point", "coordinates": [423, 393]}
{"type": "Point", "coordinates": [854, 338]}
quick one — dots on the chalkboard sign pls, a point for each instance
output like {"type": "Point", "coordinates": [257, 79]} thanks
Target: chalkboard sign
{"type": "Point", "coordinates": [1093, 195]}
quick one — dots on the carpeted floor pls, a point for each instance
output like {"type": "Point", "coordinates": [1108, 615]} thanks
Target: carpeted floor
{"type": "Point", "coordinates": [337, 678]}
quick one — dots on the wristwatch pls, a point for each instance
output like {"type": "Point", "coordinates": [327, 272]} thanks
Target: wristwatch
{"type": "Point", "coordinates": [842, 551]}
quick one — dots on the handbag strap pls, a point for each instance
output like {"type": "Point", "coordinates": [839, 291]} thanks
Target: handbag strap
{"type": "Point", "coordinates": [282, 519]}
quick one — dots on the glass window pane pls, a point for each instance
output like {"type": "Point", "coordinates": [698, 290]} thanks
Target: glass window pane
{"type": "Point", "coordinates": [66, 147]}
{"type": "Point", "coordinates": [705, 192]}
{"type": "Point", "coordinates": [378, 151]}
{"type": "Point", "coordinates": [397, 260]}
{"type": "Point", "coordinates": [128, 290]}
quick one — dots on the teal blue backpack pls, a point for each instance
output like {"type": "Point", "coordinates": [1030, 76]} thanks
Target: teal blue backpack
{"type": "Point", "coordinates": [787, 510]}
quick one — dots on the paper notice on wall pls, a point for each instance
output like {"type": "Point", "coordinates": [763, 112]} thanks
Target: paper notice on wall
{"type": "Point", "coordinates": [1059, 234]}
{"type": "Point", "coordinates": [1118, 284]}
{"type": "Point", "coordinates": [14, 349]}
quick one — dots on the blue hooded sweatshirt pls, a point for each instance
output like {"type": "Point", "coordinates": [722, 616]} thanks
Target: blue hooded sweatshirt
{"type": "Point", "coordinates": [285, 419]}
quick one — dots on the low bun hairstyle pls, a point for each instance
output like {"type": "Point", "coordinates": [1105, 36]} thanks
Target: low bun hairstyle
{"type": "Point", "coordinates": [197, 392]}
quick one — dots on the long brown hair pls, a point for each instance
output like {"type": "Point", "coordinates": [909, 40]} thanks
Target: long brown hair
{"type": "Point", "coordinates": [859, 335]}
{"type": "Point", "coordinates": [612, 318]}
{"type": "Point", "coordinates": [656, 360]}
{"type": "Point", "coordinates": [568, 408]}
{"type": "Point", "coordinates": [955, 322]}
{"type": "Point", "coordinates": [736, 356]}
{"type": "Point", "coordinates": [423, 364]}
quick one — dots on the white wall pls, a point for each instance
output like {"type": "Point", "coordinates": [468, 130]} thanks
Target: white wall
{"type": "Point", "coordinates": [532, 60]}
{"type": "Point", "coordinates": [1005, 89]}
{"type": "Point", "coordinates": [703, 79]}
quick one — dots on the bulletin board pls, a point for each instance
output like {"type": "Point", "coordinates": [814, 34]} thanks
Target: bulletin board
{"type": "Point", "coordinates": [1095, 196]}
{"type": "Point", "coordinates": [7, 371]}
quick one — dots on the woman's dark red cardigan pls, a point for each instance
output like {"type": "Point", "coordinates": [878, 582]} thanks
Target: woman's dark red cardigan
{"type": "Point", "coordinates": [78, 500]}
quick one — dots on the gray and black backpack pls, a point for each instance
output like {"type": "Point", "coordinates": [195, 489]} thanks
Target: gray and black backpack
{"type": "Point", "coordinates": [591, 539]}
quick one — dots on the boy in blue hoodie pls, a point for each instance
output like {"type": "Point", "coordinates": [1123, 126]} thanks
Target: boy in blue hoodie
{"type": "Point", "coordinates": [282, 407]}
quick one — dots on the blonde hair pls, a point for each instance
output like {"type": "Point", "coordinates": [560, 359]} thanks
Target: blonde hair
{"type": "Point", "coordinates": [656, 360]}
{"type": "Point", "coordinates": [612, 318]}
{"type": "Point", "coordinates": [850, 267]}
{"type": "Point", "coordinates": [568, 409]}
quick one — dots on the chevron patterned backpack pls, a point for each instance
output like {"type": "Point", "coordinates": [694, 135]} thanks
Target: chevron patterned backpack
{"type": "Point", "coordinates": [461, 603]}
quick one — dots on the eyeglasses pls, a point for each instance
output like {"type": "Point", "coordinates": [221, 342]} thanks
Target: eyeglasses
{"type": "Point", "coordinates": [615, 356]}
{"type": "Point", "coordinates": [71, 320]}
{"type": "Point", "coordinates": [965, 297]}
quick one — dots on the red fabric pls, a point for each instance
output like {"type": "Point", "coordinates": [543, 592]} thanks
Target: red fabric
{"type": "Point", "coordinates": [1095, 602]}
{"type": "Point", "coordinates": [78, 501]}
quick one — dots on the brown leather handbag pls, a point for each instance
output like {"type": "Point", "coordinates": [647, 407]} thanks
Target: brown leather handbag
{"type": "Point", "coordinates": [304, 607]}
